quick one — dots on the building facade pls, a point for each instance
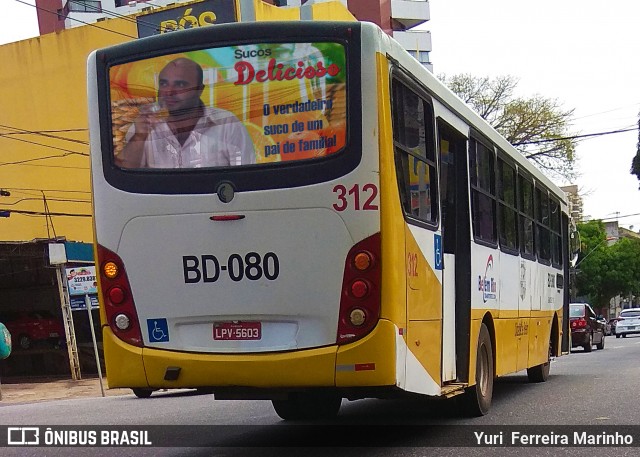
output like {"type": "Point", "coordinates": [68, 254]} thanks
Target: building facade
{"type": "Point", "coordinates": [399, 18]}
{"type": "Point", "coordinates": [575, 203]}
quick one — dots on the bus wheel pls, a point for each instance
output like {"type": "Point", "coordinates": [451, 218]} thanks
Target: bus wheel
{"type": "Point", "coordinates": [142, 393]}
{"type": "Point", "coordinates": [477, 399]}
{"type": "Point", "coordinates": [308, 406]}
{"type": "Point", "coordinates": [540, 373]}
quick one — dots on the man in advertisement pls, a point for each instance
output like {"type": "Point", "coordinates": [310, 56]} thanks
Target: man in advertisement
{"type": "Point", "coordinates": [179, 131]}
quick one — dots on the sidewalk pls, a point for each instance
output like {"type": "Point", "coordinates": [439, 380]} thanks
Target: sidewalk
{"type": "Point", "coordinates": [47, 390]}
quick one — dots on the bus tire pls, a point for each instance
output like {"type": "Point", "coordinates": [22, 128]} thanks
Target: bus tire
{"type": "Point", "coordinates": [308, 406]}
{"type": "Point", "coordinates": [540, 373]}
{"type": "Point", "coordinates": [142, 393]}
{"type": "Point", "coordinates": [477, 399]}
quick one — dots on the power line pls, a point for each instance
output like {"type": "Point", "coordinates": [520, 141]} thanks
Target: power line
{"type": "Point", "coordinates": [46, 214]}
{"type": "Point", "coordinates": [47, 190]}
{"type": "Point", "coordinates": [78, 20]}
{"type": "Point", "coordinates": [43, 133]}
{"type": "Point", "coordinates": [68, 152]}
{"type": "Point", "coordinates": [40, 133]}
{"type": "Point", "coordinates": [135, 20]}
{"type": "Point", "coordinates": [575, 137]}
{"type": "Point", "coordinates": [613, 218]}
{"type": "Point", "coordinates": [50, 199]}
{"type": "Point", "coordinates": [48, 166]}
{"type": "Point", "coordinates": [47, 146]}
{"type": "Point", "coordinates": [100, 10]}
{"type": "Point", "coordinates": [20, 162]}
{"type": "Point", "coordinates": [605, 112]}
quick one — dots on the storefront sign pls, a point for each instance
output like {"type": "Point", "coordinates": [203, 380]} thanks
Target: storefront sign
{"type": "Point", "coordinates": [82, 280]}
{"type": "Point", "coordinates": [78, 302]}
{"type": "Point", "coordinates": [187, 17]}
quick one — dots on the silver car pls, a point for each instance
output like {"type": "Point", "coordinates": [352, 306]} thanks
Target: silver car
{"type": "Point", "coordinates": [628, 322]}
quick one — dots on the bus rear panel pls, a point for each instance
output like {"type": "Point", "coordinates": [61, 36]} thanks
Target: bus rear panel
{"type": "Point", "coordinates": [255, 275]}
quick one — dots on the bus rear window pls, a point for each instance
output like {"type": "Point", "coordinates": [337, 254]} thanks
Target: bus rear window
{"type": "Point", "coordinates": [229, 106]}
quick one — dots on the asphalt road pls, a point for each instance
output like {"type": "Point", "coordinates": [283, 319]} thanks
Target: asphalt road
{"type": "Point", "coordinates": [594, 392]}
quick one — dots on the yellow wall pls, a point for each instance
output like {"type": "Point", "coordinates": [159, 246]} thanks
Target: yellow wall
{"type": "Point", "coordinates": [43, 89]}
{"type": "Point", "coordinates": [43, 92]}
{"type": "Point", "coordinates": [267, 12]}
{"type": "Point", "coordinates": [331, 11]}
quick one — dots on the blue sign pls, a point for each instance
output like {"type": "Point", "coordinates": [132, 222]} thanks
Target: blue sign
{"type": "Point", "coordinates": [77, 302]}
{"type": "Point", "coordinates": [437, 248]}
{"type": "Point", "coordinates": [158, 330]}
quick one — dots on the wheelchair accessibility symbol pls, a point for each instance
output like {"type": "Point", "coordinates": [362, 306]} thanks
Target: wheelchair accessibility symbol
{"type": "Point", "coordinates": [158, 330]}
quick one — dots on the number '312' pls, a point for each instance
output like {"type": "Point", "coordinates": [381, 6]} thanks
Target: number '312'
{"type": "Point", "coordinates": [354, 196]}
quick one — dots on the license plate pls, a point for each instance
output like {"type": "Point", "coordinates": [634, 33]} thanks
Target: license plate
{"type": "Point", "coordinates": [631, 328]}
{"type": "Point", "coordinates": [237, 331]}
{"type": "Point", "coordinates": [53, 335]}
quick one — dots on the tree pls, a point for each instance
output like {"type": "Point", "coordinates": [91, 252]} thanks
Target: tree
{"type": "Point", "coordinates": [635, 163]}
{"type": "Point", "coordinates": [537, 126]}
{"type": "Point", "coordinates": [605, 271]}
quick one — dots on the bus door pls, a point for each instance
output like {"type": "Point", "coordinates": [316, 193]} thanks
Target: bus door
{"type": "Point", "coordinates": [416, 165]}
{"type": "Point", "coordinates": [456, 294]}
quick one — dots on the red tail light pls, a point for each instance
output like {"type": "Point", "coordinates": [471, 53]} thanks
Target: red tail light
{"type": "Point", "coordinates": [360, 300]}
{"type": "Point", "coordinates": [579, 323]}
{"type": "Point", "coordinates": [117, 298]}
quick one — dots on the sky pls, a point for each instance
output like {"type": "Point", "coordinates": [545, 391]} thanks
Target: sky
{"type": "Point", "coordinates": [584, 53]}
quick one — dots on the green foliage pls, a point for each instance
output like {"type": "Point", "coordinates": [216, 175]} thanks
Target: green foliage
{"type": "Point", "coordinates": [537, 126]}
{"type": "Point", "coordinates": [603, 270]}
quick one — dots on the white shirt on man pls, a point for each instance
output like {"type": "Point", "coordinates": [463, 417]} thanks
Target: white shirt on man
{"type": "Point", "coordinates": [218, 139]}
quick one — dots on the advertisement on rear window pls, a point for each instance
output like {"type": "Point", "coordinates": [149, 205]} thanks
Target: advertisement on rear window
{"type": "Point", "coordinates": [230, 106]}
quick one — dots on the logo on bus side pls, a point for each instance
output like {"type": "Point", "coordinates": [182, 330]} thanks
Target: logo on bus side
{"type": "Point", "coordinates": [522, 328]}
{"type": "Point", "coordinates": [523, 280]}
{"type": "Point", "coordinates": [487, 283]}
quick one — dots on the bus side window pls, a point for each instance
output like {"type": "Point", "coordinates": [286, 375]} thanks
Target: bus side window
{"type": "Point", "coordinates": [556, 232]}
{"type": "Point", "coordinates": [508, 226]}
{"type": "Point", "coordinates": [543, 238]}
{"type": "Point", "coordinates": [526, 216]}
{"type": "Point", "coordinates": [414, 151]}
{"type": "Point", "coordinates": [483, 191]}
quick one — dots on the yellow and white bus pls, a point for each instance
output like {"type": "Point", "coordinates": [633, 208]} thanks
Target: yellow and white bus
{"type": "Point", "coordinates": [384, 241]}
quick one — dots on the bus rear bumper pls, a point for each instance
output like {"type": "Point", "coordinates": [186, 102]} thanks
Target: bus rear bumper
{"type": "Point", "coordinates": [369, 362]}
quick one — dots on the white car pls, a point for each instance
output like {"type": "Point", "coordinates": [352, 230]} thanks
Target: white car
{"type": "Point", "coordinates": [628, 322]}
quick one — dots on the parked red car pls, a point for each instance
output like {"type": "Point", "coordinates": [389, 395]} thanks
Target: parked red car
{"type": "Point", "coordinates": [27, 327]}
